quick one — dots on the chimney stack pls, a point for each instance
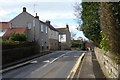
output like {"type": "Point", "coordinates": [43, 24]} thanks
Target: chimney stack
{"type": "Point", "coordinates": [48, 22]}
{"type": "Point", "coordinates": [67, 26]}
{"type": "Point", "coordinates": [37, 17]}
{"type": "Point", "coordinates": [24, 9]}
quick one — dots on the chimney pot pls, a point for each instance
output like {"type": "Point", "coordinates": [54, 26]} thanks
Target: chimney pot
{"type": "Point", "coordinates": [67, 26]}
{"type": "Point", "coordinates": [24, 9]}
{"type": "Point", "coordinates": [37, 16]}
{"type": "Point", "coordinates": [48, 22]}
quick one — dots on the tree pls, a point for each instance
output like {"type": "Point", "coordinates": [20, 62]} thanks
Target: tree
{"type": "Point", "coordinates": [89, 13]}
{"type": "Point", "coordinates": [17, 37]}
{"type": "Point", "coordinates": [110, 25]}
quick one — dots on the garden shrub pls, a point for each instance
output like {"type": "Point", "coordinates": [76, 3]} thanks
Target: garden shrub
{"type": "Point", "coordinates": [17, 37]}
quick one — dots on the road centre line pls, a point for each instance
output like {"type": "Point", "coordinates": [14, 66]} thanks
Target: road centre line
{"type": "Point", "coordinates": [54, 60]}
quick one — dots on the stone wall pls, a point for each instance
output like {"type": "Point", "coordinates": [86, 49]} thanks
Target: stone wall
{"type": "Point", "coordinates": [109, 65]}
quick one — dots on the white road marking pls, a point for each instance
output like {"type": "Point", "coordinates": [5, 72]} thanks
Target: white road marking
{"type": "Point", "coordinates": [56, 58]}
{"type": "Point", "coordinates": [53, 60]}
{"type": "Point", "coordinates": [47, 61]}
{"type": "Point", "coordinates": [33, 62]}
{"type": "Point", "coordinates": [45, 65]}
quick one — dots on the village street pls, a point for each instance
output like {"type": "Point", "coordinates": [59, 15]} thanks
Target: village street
{"type": "Point", "coordinates": [54, 65]}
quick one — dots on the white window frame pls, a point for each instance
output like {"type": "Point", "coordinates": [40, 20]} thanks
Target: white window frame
{"type": "Point", "coordinates": [34, 23]}
{"type": "Point", "coordinates": [42, 28]}
{"type": "Point", "coordinates": [29, 26]}
{"type": "Point", "coordinates": [46, 29]}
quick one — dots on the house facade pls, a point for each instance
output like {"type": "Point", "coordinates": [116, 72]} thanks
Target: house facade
{"type": "Point", "coordinates": [53, 37]}
{"type": "Point", "coordinates": [64, 38]}
{"type": "Point", "coordinates": [36, 29]}
{"type": "Point", "coordinates": [41, 32]}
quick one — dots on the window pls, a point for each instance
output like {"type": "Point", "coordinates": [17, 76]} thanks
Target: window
{"type": "Point", "coordinates": [47, 47]}
{"type": "Point", "coordinates": [41, 28]}
{"type": "Point", "coordinates": [34, 23]}
{"type": "Point", "coordinates": [51, 32]}
{"type": "Point", "coordinates": [62, 38]}
{"type": "Point", "coordinates": [29, 26]}
{"type": "Point", "coordinates": [42, 47]}
{"type": "Point", "coordinates": [46, 29]}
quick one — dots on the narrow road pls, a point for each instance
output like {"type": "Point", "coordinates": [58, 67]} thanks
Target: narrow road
{"type": "Point", "coordinates": [55, 65]}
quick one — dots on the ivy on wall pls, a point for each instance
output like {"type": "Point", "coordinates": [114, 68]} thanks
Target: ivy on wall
{"type": "Point", "coordinates": [101, 24]}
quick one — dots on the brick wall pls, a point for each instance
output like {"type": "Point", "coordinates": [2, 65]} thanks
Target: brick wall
{"type": "Point", "coordinates": [109, 65]}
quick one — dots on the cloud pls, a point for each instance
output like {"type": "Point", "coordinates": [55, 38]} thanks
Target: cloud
{"type": "Point", "coordinates": [59, 12]}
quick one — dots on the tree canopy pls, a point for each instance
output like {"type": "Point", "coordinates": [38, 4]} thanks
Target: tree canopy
{"type": "Point", "coordinates": [91, 21]}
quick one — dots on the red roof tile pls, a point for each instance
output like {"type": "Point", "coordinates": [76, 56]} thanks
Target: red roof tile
{"type": "Point", "coordinates": [4, 25]}
{"type": "Point", "coordinates": [19, 30]}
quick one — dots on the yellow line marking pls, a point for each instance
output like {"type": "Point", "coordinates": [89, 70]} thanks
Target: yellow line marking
{"type": "Point", "coordinates": [74, 69]}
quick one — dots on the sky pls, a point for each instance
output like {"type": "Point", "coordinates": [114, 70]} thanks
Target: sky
{"type": "Point", "coordinates": [59, 12]}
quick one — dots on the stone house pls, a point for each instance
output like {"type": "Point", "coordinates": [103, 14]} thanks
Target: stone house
{"type": "Point", "coordinates": [53, 37]}
{"type": "Point", "coordinates": [64, 38]}
{"type": "Point", "coordinates": [36, 30]}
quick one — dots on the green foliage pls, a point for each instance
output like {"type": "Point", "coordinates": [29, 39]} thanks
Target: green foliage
{"type": "Point", "coordinates": [91, 22]}
{"type": "Point", "coordinates": [83, 47]}
{"type": "Point", "coordinates": [110, 25]}
{"type": "Point", "coordinates": [76, 44]}
{"type": "Point", "coordinates": [116, 11]}
{"type": "Point", "coordinates": [17, 37]}
{"type": "Point", "coordinates": [12, 42]}
{"type": "Point", "coordinates": [103, 43]}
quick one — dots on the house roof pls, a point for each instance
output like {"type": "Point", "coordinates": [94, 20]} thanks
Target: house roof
{"type": "Point", "coordinates": [61, 30]}
{"type": "Point", "coordinates": [4, 25]}
{"type": "Point", "coordinates": [36, 17]}
{"type": "Point", "coordinates": [51, 27]}
{"type": "Point", "coordinates": [19, 30]}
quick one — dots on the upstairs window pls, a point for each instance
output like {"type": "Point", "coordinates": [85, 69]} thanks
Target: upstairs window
{"type": "Point", "coordinates": [29, 26]}
{"type": "Point", "coordinates": [41, 28]}
{"type": "Point", "coordinates": [46, 29]}
{"type": "Point", "coordinates": [34, 23]}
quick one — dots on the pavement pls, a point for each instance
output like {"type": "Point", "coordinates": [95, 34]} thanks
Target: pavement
{"type": "Point", "coordinates": [90, 68]}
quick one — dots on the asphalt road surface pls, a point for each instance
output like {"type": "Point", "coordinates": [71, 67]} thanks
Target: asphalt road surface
{"type": "Point", "coordinates": [54, 65]}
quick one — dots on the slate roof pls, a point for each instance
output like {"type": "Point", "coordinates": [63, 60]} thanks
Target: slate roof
{"type": "Point", "coordinates": [50, 26]}
{"type": "Point", "coordinates": [62, 30]}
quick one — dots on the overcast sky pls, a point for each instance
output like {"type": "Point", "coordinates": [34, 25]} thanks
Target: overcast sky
{"type": "Point", "coordinates": [59, 12]}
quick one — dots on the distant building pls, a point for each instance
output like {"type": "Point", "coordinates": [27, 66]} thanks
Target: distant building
{"type": "Point", "coordinates": [37, 30]}
{"type": "Point", "coordinates": [52, 37]}
{"type": "Point", "coordinates": [64, 38]}
{"type": "Point", "coordinates": [89, 44]}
